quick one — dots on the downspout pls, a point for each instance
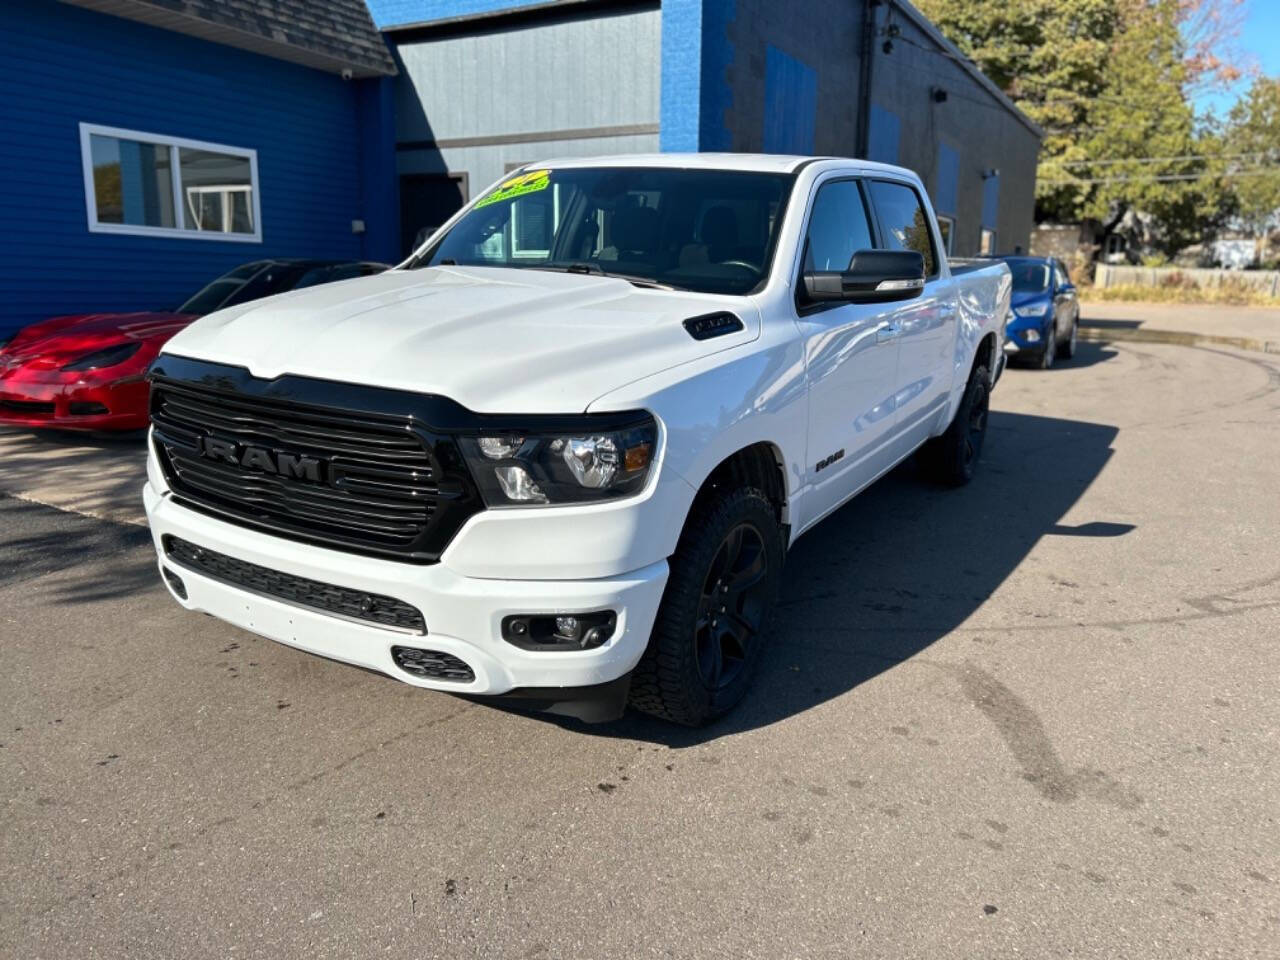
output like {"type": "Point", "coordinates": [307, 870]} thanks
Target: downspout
{"type": "Point", "coordinates": [863, 144]}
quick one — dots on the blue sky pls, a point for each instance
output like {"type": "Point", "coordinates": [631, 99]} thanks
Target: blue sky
{"type": "Point", "coordinates": [1261, 38]}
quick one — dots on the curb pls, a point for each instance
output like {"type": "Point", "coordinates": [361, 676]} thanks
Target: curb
{"type": "Point", "coordinates": [1089, 332]}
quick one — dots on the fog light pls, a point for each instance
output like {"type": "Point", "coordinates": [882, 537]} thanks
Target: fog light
{"type": "Point", "coordinates": [566, 631]}
{"type": "Point", "coordinates": [1032, 336]}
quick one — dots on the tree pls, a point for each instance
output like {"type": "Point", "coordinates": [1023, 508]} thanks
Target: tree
{"type": "Point", "coordinates": [1108, 82]}
{"type": "Point", "coordinates": [1252, 141]}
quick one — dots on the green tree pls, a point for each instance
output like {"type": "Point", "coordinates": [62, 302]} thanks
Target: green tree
{"type": "Point", "coordinates": [1252, 141]}
{"type": "Point", "coordinates": [1108, 82]}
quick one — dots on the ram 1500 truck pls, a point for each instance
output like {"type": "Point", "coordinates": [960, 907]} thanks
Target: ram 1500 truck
{"type": "Point", "coordinates": [559, 454]}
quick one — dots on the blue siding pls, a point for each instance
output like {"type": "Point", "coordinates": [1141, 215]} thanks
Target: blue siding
{"type": "Point", "coordinates": [885, 132]}
{"type": "Point", "coordinates": [990, 202]}
{"type": "Point", "coordinates": [791, 102]}
{"type": "Point", "coordinates": [696, 55]}
{"type": "Point", "coordinates": [64, 65]}
{"type": "Point", "coordinates": [947, 193]}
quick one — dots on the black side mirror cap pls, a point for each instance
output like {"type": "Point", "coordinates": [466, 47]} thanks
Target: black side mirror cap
{"type": "Point", "coordinates": [873, 276]}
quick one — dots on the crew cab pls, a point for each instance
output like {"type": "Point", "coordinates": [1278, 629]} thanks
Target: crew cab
{"type": "Point", "coordinates": [559, 454]}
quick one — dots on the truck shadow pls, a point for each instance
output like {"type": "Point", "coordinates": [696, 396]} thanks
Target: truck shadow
{"type": "Point", "coordinates": [903, 565]}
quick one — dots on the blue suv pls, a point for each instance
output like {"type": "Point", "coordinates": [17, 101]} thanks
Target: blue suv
{"type": "Point", "coordinates": [1046, 312]}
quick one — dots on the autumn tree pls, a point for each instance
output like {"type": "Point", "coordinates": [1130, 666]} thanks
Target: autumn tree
{"type": "Point", "coordinates": [1252, 142]}
{"type": "Point", "coordinates": [1108, 80]}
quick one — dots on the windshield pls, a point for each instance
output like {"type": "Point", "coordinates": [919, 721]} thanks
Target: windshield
{"type": "Point", "coordinates": [1029, 277]}
{"type": "Point", "coordinates": [250, 282]}
{"type": "Point", "coordinates": [710, 231]}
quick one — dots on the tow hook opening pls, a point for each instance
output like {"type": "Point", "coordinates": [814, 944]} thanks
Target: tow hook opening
{"type": "Point", "coordinates": [175, 583]}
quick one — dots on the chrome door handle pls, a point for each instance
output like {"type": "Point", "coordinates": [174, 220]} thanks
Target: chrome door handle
{"type": "Point", "coordinates": [886, 333]}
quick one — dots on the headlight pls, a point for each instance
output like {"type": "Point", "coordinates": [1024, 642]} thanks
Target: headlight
{"type": "Point", "coordinates": [601, 458]}
{"type": "Point", "coordinates": [105, 358]}
{"type": "Point", "coordinates": [1032, 313]}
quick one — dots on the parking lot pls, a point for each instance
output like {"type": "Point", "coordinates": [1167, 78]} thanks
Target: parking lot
{"type": "Point", "coordinates": [1034, 716]}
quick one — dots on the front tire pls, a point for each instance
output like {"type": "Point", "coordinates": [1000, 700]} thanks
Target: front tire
{"type": "Point", "coordinates": [1067, 349]}
{"type": "Point", "coordinates": [722, 585]}
{"type": "Point", "coordinates": [953, 457]}
{"type": "Point", "coordinates": [1050, 351]}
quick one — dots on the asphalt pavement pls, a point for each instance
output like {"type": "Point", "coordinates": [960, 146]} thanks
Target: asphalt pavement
{"type": "Point", "coordinates": [1032, 717]}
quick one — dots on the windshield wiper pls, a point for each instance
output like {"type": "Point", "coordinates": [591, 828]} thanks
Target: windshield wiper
{"type": "Point", "coordinates": [594, 269]}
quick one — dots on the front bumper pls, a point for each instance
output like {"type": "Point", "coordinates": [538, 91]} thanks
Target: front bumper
{"type": "Point", "coordinates": [1016, 339]}
{"type": "Point", "coordinates": [57, 401]}
{"type": "Point", "coordinates": [463, 613]}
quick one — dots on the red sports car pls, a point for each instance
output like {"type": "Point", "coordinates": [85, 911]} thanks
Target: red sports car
{"type": "Point", "coordinates": [89, 372]}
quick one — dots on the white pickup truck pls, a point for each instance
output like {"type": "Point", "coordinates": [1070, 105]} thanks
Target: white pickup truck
{"type": "Point", "coordinates": [559, 454]}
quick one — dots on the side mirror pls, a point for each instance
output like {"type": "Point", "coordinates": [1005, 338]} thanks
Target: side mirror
{"type": "Point", "coordinates": [874, 276]}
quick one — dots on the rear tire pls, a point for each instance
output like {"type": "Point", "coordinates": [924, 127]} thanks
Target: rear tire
{"type": "Point", "coordinates": [722, 585]}
{"type": "Point", "coordinates": [952, 458]}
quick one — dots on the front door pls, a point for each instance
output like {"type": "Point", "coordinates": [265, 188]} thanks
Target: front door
{"type": "Point", "coordinates": [851, 355]}
{"type": "Point", "coordinates": [427, 200]}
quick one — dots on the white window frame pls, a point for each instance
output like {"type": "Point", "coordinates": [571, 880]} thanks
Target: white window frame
{"type": "Point", "coordinates": [88, 130]}
{"type": "Point", "coordinates": [950, 235]}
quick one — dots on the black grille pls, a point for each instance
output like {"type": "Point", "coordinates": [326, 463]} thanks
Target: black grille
{"type": "Point", "coordinates": [432, 664]}
{"type": "Point", "coordinates": [354, 604]}
{"type": "Point", "coordinates": [310, 460]}
{"type": "Point", "coordinates": [26, 406]}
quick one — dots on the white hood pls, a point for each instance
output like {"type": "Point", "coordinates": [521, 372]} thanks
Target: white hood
{"type": "Point", "coordinates": [495, 340]}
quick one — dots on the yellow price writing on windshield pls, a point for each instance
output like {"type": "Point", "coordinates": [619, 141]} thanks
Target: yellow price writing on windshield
{"type": "Point", "coordinates": [518, 186]}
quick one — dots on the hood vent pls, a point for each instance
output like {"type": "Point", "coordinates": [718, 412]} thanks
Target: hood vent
{"type": "Point", "coordinates": [712, 325]}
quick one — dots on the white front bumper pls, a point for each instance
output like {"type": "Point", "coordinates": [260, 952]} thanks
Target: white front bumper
{"type": "Point", "coordinates": [463, 614]}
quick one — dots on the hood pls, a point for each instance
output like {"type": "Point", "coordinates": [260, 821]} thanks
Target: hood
{"type": "Point", "coordinates": [59, 340]}
{"type": "Point", "coordinates": [495, 340]}
{"type": "Point", "coordinates": [1030, 298]}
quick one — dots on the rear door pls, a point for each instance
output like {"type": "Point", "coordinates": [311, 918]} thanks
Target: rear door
{"type": "Point", "coordinates": [926, 326]}
{"type": "Point", "coordinates": [851, 356]}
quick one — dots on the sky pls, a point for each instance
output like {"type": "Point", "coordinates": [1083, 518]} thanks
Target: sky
{"type": "Point", "coordinates": [1260, 38]}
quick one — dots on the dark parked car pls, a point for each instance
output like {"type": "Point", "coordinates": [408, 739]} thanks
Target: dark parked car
{"type": "Point", "coordinates": [88, 372]}
{"type": "Point", "coordinates": [1046, 312]}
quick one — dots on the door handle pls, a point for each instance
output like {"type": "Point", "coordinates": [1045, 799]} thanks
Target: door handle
{"type": "Point", "coordinates": [888, 332]}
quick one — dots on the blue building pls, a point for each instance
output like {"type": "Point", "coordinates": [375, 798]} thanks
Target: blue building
{"type": "Point", "coordinates": [151, 145]}
{"type": "Point", "coordinates": [485, 85]}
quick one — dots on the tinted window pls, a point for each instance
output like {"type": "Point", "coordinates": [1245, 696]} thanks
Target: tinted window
{"type": "Point", "coordinates": [1029, 276]}
{"type": "Point", "coordinates": [712, 231]}
{"type": "Point", "coordinates": [904, 225]}
{"type": "Point", "coordinates": [838, 227]}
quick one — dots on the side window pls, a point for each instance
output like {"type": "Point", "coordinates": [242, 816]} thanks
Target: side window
{"type": "Point", "coordinates": [838, 227]}
{"type": "Point", "coordinates": [904, 224]}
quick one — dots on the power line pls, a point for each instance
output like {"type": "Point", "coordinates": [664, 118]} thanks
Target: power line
{"type": "Point", "coordinates": [1161, 178]}
{"type": "Point", "coordinates": [1186, 156]}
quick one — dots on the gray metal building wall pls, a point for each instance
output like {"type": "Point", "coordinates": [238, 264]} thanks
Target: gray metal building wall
{"type": "Point", "coordinates": [479, 97]}
{"type": "Point", "coordinates": [826, 36]}
{"type": "Point", "coordinates": [482, 102]}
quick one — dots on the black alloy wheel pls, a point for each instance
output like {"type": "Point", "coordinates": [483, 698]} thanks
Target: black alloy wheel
{"type": "Point", "coordinates": [732, 607]}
